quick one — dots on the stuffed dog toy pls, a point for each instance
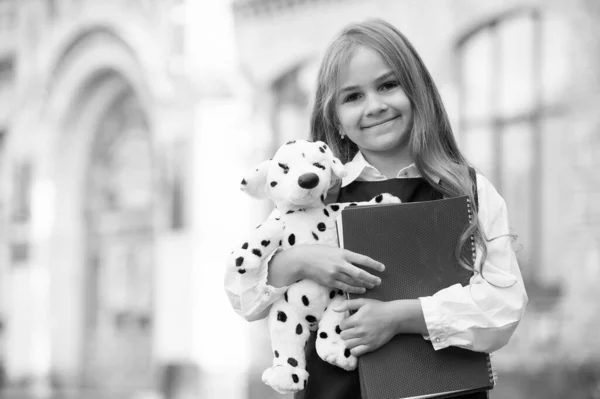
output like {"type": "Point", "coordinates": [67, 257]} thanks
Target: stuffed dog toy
{"type": "Point", "coordinates": [297, 179]}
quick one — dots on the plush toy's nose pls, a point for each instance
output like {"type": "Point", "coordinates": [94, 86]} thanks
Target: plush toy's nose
{"type": "Point", "coordinates": [308, 180]}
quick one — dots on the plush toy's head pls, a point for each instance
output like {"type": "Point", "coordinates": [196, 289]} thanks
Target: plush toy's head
{"type": "Point", "coordinates": [298, 176]}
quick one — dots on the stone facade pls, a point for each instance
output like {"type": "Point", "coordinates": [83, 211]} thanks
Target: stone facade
{"type": "Point", "coordinates": [103, 258]}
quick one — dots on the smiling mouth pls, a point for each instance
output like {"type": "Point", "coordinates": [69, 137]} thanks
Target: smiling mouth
{"type": "Point", "coordinates": [382, 122]}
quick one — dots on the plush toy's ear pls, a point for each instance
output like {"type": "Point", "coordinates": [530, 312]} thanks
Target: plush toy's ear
{"type": "Point", "coordinates": [254, 182]}
{"type": "Point", "coordinates": [337, 168]}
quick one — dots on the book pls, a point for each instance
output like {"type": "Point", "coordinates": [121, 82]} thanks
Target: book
{"type": "Point", "coordinates": [416, 242]}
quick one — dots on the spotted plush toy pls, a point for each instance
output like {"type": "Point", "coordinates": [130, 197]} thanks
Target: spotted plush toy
{"type": "Point", "coordinates": [297, 180]}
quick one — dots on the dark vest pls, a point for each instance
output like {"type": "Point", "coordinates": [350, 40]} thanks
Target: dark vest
{"type": "Point", "coordinates": [329, 382]}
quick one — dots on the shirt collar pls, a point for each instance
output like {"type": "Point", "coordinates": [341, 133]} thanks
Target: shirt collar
{"type": "Point", "coordinates": [360, 169]}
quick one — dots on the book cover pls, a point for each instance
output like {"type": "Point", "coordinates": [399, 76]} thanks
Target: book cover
{"type": "Point", "coordinates": [417, 243]}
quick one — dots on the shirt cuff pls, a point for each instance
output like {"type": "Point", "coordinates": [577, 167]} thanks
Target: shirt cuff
{"type": "Point", "coordinates": [437, 327]}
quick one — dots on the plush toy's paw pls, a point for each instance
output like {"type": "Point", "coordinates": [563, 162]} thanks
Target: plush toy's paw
{"type": "Point", "coordinates": [332, 349]}
{"type": "Point", "coordinates": [386, 198]}
{"type": "Point", "coordinates": [244, 260]}
{"type": "Point", "coordinates": [285, 379]}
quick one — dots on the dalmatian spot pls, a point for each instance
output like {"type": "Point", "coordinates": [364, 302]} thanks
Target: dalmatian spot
{"type": "Point", "coordinates": [311, 319]}
{"type": "Point", "coordinates": [292, 362]}
{"type": "Point", "coordinates": [323, 335]}
{"type": "Point", "coordinates": [353, 204]}
{"type": "Point", "coordinates": [305, 300]}
{"type": "Point", "coordinates": [280, 242]}
{"type": "Point", "coordinates": [347, 352]}
{"type": "Point", "coordinates": [325, 212]}
{"type": "Point", "coordinates": [264, 243]}
{"type": "Point", "coordinates": [244, 182]}
{"type": "Point", "coordinates": [273, 183]}
{"type": "Point", "coordinates": [292, 239]}
{"type": "Point", "coordinates": [239, 261]}
{"type": "Point", "coordinates": [290, 142]}
{"type": "Point", "coordinates": [332, 294]}
{"type": "Point", "coordinates": [257, 252]}
{"type": "Point", "coordinates": [241, 271]}
{"type": "Point", "coordinates": [379, 198]}
{"type": "Point", "coordinates": [338, 330]}
{"type": "Point", "coordinates": [285, 168]}
{"type": "Point", "coordinates": [322, 197]}
{"type": "Point", "coordinates": [276, 354]}
{"type": "Point", "coordinates": [315, 236]}
{"type": "Point", "coordinates": [299, 329]}
{"type": "Point", "coordinates": [321, 226]}
{"type": "Point", "coordinates": [318, 165]}
{"type": "Point", "coordinates": [335, 208]}
{"type": "Point", "coordinates": [322, 149]}
{"type": "Point", "coordinates": [245, 246]}
{"type": "Point", "coordinates": [281, 316]}
{"type": "Point", "coordinates": [295, 378]}
{"type": "Point", "coordinates": [289, 212]}
{"type": "Point", "coordinates": [286, 296]}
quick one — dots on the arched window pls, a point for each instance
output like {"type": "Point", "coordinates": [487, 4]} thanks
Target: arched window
{"type": "Point", "coordinates": [291, 92]}
{"type": "Point", "coordinates": [510, 72]}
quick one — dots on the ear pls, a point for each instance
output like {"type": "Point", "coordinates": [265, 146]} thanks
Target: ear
{"type": "Point", "coordinates": [337, 168]}
{"type": "Point", "coordinates": [254, 182]}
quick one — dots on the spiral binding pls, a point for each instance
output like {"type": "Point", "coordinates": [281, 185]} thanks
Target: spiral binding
{"type": "Point", "coordinates": [493, 374]}
{"type": "Point", "coordinates": [470, 210]}
{"type": "Point", "coordinates": [492, 370]}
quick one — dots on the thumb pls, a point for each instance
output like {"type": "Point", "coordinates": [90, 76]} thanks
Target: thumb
{"type": "Point", "coordinates": [349, 304]}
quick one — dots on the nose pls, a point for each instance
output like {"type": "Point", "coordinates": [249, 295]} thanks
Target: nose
{"type": "Point", "coordinates": [375, 105]}
{"type": "Point", "coordinates": [308, 180]}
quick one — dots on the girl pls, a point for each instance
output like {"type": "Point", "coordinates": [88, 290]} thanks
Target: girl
{"type": "Point", "coordinates": [377, 107]}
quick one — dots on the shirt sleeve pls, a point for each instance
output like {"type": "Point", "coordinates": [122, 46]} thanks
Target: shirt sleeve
{"type": "Point", "coordinates": [249, 294]}
{"type": "Point", "coordinates": [483, 315]}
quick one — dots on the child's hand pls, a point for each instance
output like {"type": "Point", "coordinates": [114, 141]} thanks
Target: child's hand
{"type": "Point", "coordinates": [335, 267]}
{"type": "Point", "coordinates": [372, 326]}
{"type": "Point", "coordinates": [330, 266]}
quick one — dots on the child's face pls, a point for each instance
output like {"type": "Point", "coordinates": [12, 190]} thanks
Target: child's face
{"type": "Point", "coordinates": [373, 110]}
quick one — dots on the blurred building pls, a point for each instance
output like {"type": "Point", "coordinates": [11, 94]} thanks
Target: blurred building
{"type": "Point", "coordinates": [115, 117]}
{"type": "Point", "coordinates": [520, 80]}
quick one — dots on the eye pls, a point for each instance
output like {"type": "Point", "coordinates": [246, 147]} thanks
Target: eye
{"type": "Point", "coordinates": [285, 168]}
{"type": "Point", "coordinates": [318, 165]}
{"type": "Point", "coordinates": [389, 85]}
{"type": "Point", "coordinates": [351, 97]}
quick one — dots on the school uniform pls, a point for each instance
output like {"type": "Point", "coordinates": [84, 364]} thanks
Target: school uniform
{"type": "Point", "coordinates": [480, 317]}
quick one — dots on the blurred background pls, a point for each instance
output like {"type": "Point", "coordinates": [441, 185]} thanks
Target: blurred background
{"type": "Point", "coordinates": [126, 125]}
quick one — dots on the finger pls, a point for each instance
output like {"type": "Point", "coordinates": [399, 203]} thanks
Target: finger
{"type": "Point", "coordinates": [350, 304]}
{"type": "Point", "coordinates": [350, 333]}
{"type": "Point", "coordinates": [349, 288]}
{"type": "Point", "coordinates": [360, 275]}
{"type": "Point", "coordinates": [360, 350]}
{"type": "Point", "coordinates": [353, 343]}
{"type": "Point", "coordinates": [363, 260]}
{"type": "Point", "coordinates": [350, 280]}
{"type": "Point", "coordinates": [347, 323]}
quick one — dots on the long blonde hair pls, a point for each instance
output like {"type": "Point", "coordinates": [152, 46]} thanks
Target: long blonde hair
{"type": "Point", "coordinates": [431, 141]}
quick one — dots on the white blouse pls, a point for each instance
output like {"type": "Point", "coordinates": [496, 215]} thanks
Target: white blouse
{"type": "Point", "coordinates": [481, 316]}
